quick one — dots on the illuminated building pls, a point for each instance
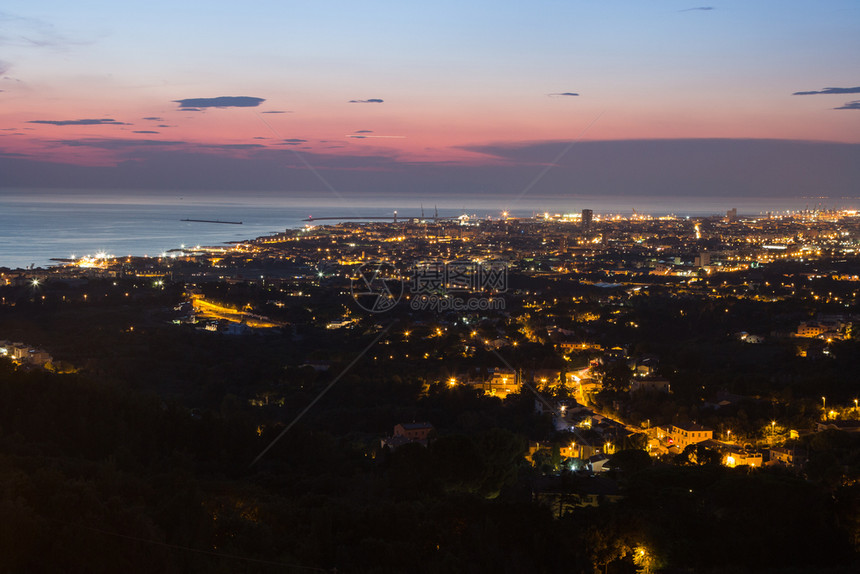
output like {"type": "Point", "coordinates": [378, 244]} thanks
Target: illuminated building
{"type": "Point", "coordinates": [587, 216]}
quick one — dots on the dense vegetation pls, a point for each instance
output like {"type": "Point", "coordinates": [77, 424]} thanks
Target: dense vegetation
{"type": "Point", "coordinates": [141, 460]}
{"type": "Point", "coordinates": [95, 478]}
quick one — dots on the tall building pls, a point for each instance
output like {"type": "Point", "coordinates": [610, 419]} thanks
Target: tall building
{"type": "Point", "coordinates": [586, 217]}
{"type": "Point", "coordinates": [702, 259]}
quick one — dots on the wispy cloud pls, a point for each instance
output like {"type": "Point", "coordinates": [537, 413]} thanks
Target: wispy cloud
{"type": "Point", "coordinates": [220, 102]}
{"type": "Point", "coordinates": [114, 143]}
{"type": "Point", "coordinates": [705, 8]}
{"type": "Point", "coordinates": [829, 91]}
{"type": "Point", "coordinates": [855, 105]}
{"type": "Point", "coordinates": [370, 101]}
{"type": "Point", "coordinates": [364, 131]}
{"type": "Point", "coordinates": [232, 146]}
{"type": "Point", "coordinates": [153, 119]}
{"type": "Point", "coordinates": [365, 136]}
{"type": "Point", "coordinates": [144, 132]}
{"type": "Point", "coordinates": [84, 122]}
{"type": "Point", "coordinates": [137, 146]}
{"type": "Point", "coordinates": [277, 112]}
{"type": "Point", "coordinates": [557, 94]}
{"type": "Point", "coordinates": [4, 67]}
{"type": "Point", "coordinates": [31, 32]}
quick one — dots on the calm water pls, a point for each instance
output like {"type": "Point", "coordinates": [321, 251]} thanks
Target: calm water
{"type": "Point", "coordinates": [36, 226]}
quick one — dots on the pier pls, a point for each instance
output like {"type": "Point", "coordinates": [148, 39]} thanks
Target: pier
{"type": "Point", "coordinates": [212, 221]}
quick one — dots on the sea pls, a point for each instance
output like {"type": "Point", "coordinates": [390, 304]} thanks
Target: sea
{"type": "Point", "coordinates": [39, 228]}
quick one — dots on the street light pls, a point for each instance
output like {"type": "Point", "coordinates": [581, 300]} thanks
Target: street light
{"type": "Point", "coordinates": [35, 285]}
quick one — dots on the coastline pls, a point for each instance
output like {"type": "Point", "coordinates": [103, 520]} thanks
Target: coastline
{"type": "Point", "coordinates": [39, 227]}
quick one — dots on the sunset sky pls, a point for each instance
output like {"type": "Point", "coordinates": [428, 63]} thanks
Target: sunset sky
{"type": "Point", "coordinates": [449, 97]}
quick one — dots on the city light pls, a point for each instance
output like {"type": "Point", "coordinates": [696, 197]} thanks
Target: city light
{"type": "Point", "coordinates": [382, 347]}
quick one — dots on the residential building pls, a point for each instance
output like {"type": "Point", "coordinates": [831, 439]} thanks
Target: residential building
{"type": "Point", "coordinates": [418, 432]}
{"type": "Point", "coordinates": [501, 383]}
{"type": "Point", "coordinates": [675, 438]}
{"type": "Point", "coordinates": [654, 385]}
{"type": "Point", "coordinates": [738, 457]}
{"type": "Point", "coordinates": [406, 433]}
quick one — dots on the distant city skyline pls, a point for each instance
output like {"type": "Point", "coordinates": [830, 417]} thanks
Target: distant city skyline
{"type": "Point", "coordinates": [476, 98]}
